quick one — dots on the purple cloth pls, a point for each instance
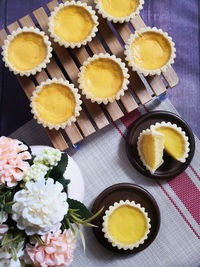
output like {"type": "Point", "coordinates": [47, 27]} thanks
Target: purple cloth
{"type": "Point", "coordinates": [178, 18]}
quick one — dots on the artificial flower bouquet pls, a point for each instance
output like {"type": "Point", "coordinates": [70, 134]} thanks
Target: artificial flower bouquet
{"type": "Point", "coordinates": [38, 222]}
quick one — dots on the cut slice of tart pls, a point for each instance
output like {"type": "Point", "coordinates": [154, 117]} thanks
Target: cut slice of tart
{"type": "Point", "coordinates": [126, 225]}
{"type": "Point", "coordinates": [73, 24]}
{"type": "Point", "coordinates": [150, 147]}
{"type": "Point", "coordinates": [150, 51]}
{"type": "Point", "coordinates": [118, 10]}
{"type": "Point", "coordinates": [27, 51]}
{"type": "Point", "coordinates": [103, 78]}
{"type": "Point", "coordinates": [56, 103]}
{"type": "Point", "coordinates": [176, 142]}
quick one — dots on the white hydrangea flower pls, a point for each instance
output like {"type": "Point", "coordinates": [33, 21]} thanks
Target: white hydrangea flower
{"type": "Point", "coordinates": [40, 207]}
{"type": "Point", "coordinates": [36, 172]}
{"type": "Point", "coordinates": [49, 157]}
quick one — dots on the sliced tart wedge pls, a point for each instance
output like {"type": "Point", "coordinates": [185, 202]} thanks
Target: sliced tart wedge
{"type": "Point", "coordinates": [151, 148]}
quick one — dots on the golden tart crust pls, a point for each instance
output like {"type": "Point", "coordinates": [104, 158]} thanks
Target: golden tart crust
{"type": "Point", "coordinates": [27, 43]}
{"type": "Point", "coordinates": [150, 51]}
{"type": "Point", "coordinates": [118, 10]}
{"type": "Point", "coordinates": [103, 78]}
{"type": "Point", "coordinates": [56, 104]}
{"type": "Point", "coordinates": [73, 24]}
{"type": "Point", "coordinates": [126, 225]}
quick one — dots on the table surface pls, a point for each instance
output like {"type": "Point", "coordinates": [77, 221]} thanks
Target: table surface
{"type": "Point", "coordinates": [179, 18]}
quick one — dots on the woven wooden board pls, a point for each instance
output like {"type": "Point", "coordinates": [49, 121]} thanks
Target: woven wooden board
{"type": "Point", "coordinates": [66, 63]}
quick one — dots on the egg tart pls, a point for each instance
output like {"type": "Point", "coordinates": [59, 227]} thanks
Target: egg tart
{"type": "Point", "coordinates": [150, 51]}
{"type": "Point", "coordinates": [27, 51]}
{"type": "Point", "coordinates": [103, 78]}
{"type": "Point", "coordinates": [126, 225]}
{"type": "Point", "coordinates": [56, 103]}
{"type": "Point", "coordinates": [118, 10]}
{"type": "Point", "coordinates": [73, 24]}
{"type": "Point", "coordinates": [176, 143]}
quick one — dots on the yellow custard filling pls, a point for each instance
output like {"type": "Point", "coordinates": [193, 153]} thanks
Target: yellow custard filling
{"type": "Point", "coordinates": [119, 8]}
{"type": "Point", "coordinates": [55, 103]}
{"type": "Point", "coordinates": [103, 78]}
{"type": "Point", "coordinates": [73, 24]}
{"type": "Point", "coordinates": [26, 51]}
{"type": "Point", "coordinates": [127, 225]}
{"type": "Point", "coordinates": [174, 142]}
{"type": "Point", "coordinates": [150, 50]}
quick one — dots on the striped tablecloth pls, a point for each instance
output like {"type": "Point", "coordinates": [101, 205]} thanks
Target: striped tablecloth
{"type": "Point", "coordinates": [103, 162]}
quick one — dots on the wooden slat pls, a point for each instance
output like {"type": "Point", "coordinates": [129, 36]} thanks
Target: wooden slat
{"type": "Point", "coordinates": [57, 139]}
{"type": "Point", "coordinates": [55, 72]}
{"type": "Point", "coordinates": [157, 84]}
{"type": "Point", "coordinates": [3, 36]}
{"type": "Point", "coordinates": [138, 23]}
{"type": "Point", "coordinates": [13, 27]}
{"type": "Point", "coordinates": [28, 86]}
{"type": "Point", "coordinates": [170, 75]}
{"type": "Point", "coordinates": [70, 67]}
{"type": "Point", "coordinates": [155, 81]}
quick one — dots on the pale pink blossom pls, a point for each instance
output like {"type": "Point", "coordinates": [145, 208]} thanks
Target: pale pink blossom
{"type": "Point", "coordinates": [3, 230]}
{"type": "Point", "coordinates": [13, 156]}
{"type": "Point", "coordinates": [57, 250]}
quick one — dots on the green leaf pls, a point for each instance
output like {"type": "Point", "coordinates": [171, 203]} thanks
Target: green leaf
{"type": "Point", "coordinates": [82, 239]}
{"type": "Point", "coordinates": [14, 253]}
{"type": "Point", "coordinates": [8, 196]}
{"type": "Point", "coordinates": [58, 171]}
{"type": "Point", "coordinates": [82, 209]}
{"type": "Point", "coordinates": [63, 181]}
{"type": "Point", "coordinates": [30, 161]}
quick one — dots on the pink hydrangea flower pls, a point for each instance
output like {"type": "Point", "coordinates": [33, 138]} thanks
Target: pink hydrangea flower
{"type": "Point", "coordinates": [13, 154]}
{"type": "Point", "coordinates": [57, 251]}
{"type": "Point", "coordinates": [3, 230]}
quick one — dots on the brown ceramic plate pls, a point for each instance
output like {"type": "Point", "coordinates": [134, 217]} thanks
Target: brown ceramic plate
{"type": "Point", "coordinates": [131, 192]}
{"type": "Point", "coordinates": [171, 167]}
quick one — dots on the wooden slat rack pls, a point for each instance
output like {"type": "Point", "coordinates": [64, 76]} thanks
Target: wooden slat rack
{"type": "Point", "coordinates": [66, 63]}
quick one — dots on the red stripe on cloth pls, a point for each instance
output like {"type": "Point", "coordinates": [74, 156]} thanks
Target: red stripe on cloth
{"type": "Point", "coordinates": [188, 193]}
{"type": "Point", "coordinates": [181, 213]}
{"type": "Point", "coordinates": [119, 131]}
{"type": "Point", "coordinates": [197, 175]}
{"type": "Point", "coordinates": [130, 118]}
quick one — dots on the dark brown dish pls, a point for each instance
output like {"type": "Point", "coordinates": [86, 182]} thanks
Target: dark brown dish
{"type": "Point", "coordinates": [132, 192]}
{"type": "Point", "coordinates": [171, 167]}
